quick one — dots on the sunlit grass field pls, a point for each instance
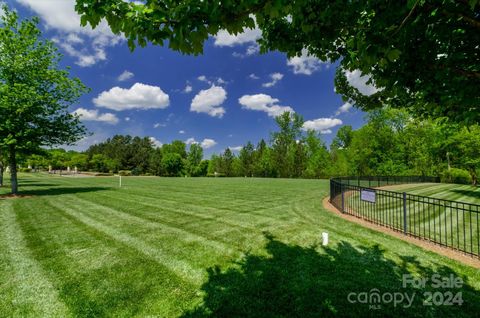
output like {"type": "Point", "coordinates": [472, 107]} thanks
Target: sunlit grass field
{"type": "Point", "coordinates": [446, 191]}
{"type": "Point", "coordinates": [455, 223]}
{"type": "Point", "coordinates": [199, 247]}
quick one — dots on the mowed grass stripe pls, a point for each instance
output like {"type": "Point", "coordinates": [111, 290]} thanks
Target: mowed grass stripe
{"type": "Point", "coordinates": [203, 225]}
{"type": "Point", "coordinates": [97, 275]}
{"type": "Point", "coordinates": [239, 211]}
{"type": "Point", "coordinates": [228, 217]}
{"type": "Point", "coordinates": [26, 290]}
{"type": "Point", "coordinates": [238, 193]}
{"type": "Point", "coordinates": [239, 236]}
{"type": "Point", "coordinates": [197, 213]}
{"type": "Point", "coordinates": [451, 192]}
{"type": "Point", "coordinates": [122, 217]}
{"type": "Point", "coordinates": [434, 221]}
{"type": "Point", "coordinates": [235, 202]}
{"type": "Point", "coordinates": [181, 268]}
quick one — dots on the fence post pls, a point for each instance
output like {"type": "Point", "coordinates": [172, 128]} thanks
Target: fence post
{"type": "Point", "coordinates": [404, 212]}
{"type": "Point", "coordinates": [343, 201]}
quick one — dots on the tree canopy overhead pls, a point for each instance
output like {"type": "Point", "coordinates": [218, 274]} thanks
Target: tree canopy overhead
{"type": "Point", "coordinates": [421, 54]}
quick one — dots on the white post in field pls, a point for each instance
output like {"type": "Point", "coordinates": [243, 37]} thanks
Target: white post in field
{"type": "Point", "coordinates": [324, 238]}
{"type": "Point", "coordinates": [120, 180]}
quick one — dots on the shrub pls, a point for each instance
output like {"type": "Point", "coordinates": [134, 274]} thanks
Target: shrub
{"type": "Point", "coordinates": [25, 170]}
{"type": "Point", "coordinates": [124, 172]}
{"type": "Point", "coordinates": [136, 171]}
{"type": "Point", "coordinates": [103, 174]}
{"type": "Point", "coordinates": [218, 174]}
{"type": "Point", "coordinates": [455, 175]}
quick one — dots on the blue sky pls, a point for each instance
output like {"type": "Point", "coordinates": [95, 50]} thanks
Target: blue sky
{"type": "Point", "coordinates": [223, 98]}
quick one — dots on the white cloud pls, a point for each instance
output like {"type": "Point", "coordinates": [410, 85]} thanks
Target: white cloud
{"type": "Point", "coordinates": [202, 78]}
{"type": "Point", "coordinates": [190, 141]}
{"type": "Point", "coordinates": [251, 50]}
{"type": "Point", "coordinates": [157, 125]}
{"type": "Point", "coordinates": [236, 148]}
{"type": "Point", "coordinates": [74, 38]}
{"type": "Point", "coordinates": [253, 76]}
{"type": "Point", "coordinates": [276, 77]}
{"type": "Point", "coordinates": [264, 103]}
{"type": "Point", "coordinates": [210, 101]}
{"type": "Point", "coordinates": [208, 143]}
{"type": "Point", "coordinates": [344, 108]}
{"type": "Point", "coordinates": [188, 88]}
{"type": "Point", "coordinates": [139, 96]}
{"type": "Point", "coordinates": [181, 132]}
{"type": "Point", "coordinates": [125, 76]}
{"type": "Point", "coordinates": [127, 118]}
{"type": "Point", "coordinates": [205, 143]}
{"type": "Point", "coordinates": [305, 63]}
{"type": "Point", "coordinates": [322, 125]}
{"type": "Point", "coordinates": [93, 115]}
{"type": "Point", "coordinates": [61, 17]}
{"type": "Point", "coordinates": [211, 81]}
{"type": "Point", "coordinates": [84, 57]}
{"type": "Point", "coordinates": [359, 81]}
{"type": "Point", "coordinates": [223, 38]}
{"type": "Point", "coordinates": [155, 142]}
{"type": "Point", "coordinates": [97, 136]}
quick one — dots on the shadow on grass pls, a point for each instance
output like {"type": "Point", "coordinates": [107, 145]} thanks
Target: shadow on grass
{"type": "Point", "coordinates": [39, 184]}
{"type": "Point", "coordinates": [470, 193]}
{"type": "Point", "coordinates": [295, 281]}
{"type": "Point", "coordinates": [61, 190]}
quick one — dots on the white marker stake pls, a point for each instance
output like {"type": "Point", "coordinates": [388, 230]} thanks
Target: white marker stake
{"type": "Point", "coordinates": [120, 181]}
{"type": "Point", "coordinates": [324, 238]}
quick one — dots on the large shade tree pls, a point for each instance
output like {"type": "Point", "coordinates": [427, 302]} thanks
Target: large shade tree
{"type": "Point", "coordinates": [421, 54]}
{"type": "Point", "coordinates": [34, 93]}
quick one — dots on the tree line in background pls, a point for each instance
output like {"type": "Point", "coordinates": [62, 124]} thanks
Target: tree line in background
{"type": "Point", "coordinates": [390, 143]}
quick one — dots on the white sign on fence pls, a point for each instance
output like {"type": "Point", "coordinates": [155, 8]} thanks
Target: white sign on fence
{"type": "Point", "coordinates": [367, 195]}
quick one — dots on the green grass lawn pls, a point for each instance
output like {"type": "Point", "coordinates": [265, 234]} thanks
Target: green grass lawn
{"type": "Point", "coordinates": [454, 224]}
{"type": "Point", "coordinates": [197, 247]}
{"type": "Point", "coordinates": [446, 191]}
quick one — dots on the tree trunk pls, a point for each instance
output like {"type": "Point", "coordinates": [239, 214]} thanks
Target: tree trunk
{"type": "Point", "coordinates": [1, 173]}
{"type": "Point", "coordinates": [2, 168]}
{"type": "Point", "coordinates": [13, 169]}
{"type": "Point", "coordinates": [473, 174]}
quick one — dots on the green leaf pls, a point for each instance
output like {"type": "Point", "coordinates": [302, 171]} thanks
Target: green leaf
{"type": "Point", "coordinates": [83, 20]}
{"type": "Point", "coordinates": [393, 55]}
{"type": "Point", "coordinates": [411, 3]}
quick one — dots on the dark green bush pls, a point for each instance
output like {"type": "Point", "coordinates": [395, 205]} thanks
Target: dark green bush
{"type": "Point", "coordinates": [136, 171]}
{"type": "Point", "coordinates": [125, 172]}
{"type": "Point", "coordinates": [25, 170]}
{"type": "Point", "coordinates": [103, 174]}
{"type": "Point", "coordinates": [455, 175]}
{"type": "Point", "coordinates": [216, 175]}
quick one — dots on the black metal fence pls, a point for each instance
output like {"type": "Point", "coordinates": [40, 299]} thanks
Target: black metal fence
{"type": "Point", "coordinates": [448, 223]}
